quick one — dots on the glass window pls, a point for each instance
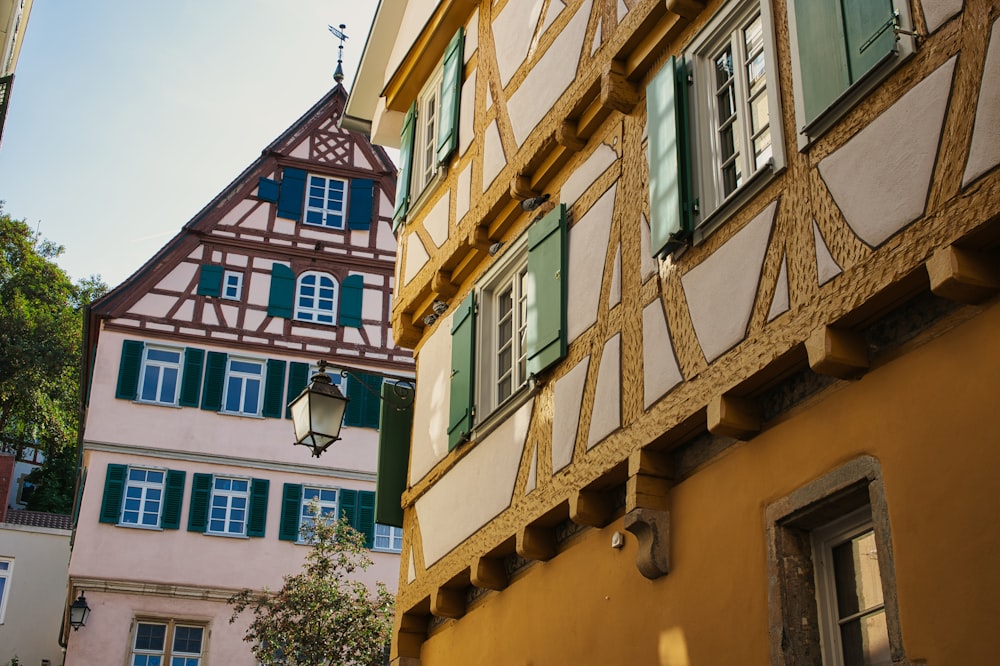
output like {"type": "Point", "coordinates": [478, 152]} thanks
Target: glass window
{"type": "Point", "coordinates": [316, 298]}
{"type": "Point", "coordinates": [425, 139]}
{"type": "Point", "coordinates": [150, 645]}
{"type": "Point", "coordinates": [230, 500]}
{"type": "Point", "coordinates": [160, 375]}
{"type": "Point", "coordinates": [232, 285]}
{"type": "Point", "coordinates": [244, 382]}
{"type": "Point", "coordinates": [143, 500]}
{"type": "Point", "coordinates": [326, 202]}
{"type": "Point", "coordinates": [6, 570]}
{"type": "Point", "coordinates": [324, 499]}
{"type": "Point", "coordinates": [388, 538]}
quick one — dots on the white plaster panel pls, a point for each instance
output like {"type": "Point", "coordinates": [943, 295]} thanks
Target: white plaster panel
{"type": "Point", "coordinates": [984, 154]}
{"type": "Point", "coordinates": [596, 44]}
{"type": "Point", "coordinates": [471, 36]}
{"type": "Point", "coordinates": [555, 9]}
{"type": "Point", "coordinates": [153, 326]}
{"type": "Point", "coordinates": [319, 334]}
{"type": "Point", "coordinates": [588, 247]}
{"type": "Point", "coordinates": [185, 312]}
{"type": "Point", "coordinates": [196, 253]}
{"type": "Point", "coordinates": [257, 219]}
{"type": "Point", "coordinates": [489, 99]}
{"type": "Point", "coordinates": [532, 472]}
{"type": "Point", "coordinates": [430, 407]}
{"type": "Point", "coordinates": [178, 279]}
{"type": "Point", "coordinates": [359, 238]}
{"type": "Point", "coordinates": [566, 414]}
{"type": "Point", "coordinates": [411, 573]}
{"type": "Point", "coordinates": [258, 293]}
{"type": "Point", "coordinates": [360, 159]}
{"type": "Point", "coordinates": [494, 159]}
{"type": "Point", "coordinates": [371, 305]}
{"type": "Point", "coordinates": [385, 240]}
{"type": "Point", "coordinates": [301, 151]}
{"type": "Point", "coordinates": [416, 256]}
{"type": "Point", "coordinates": [607, 415]}
{"type": "Point", "coordinates": [267, 264]}
{"type": "Point", "coordinates": [647, 267]}
{"type": "Point", "coordinates": [237, 260]}
{"type": "Point", "coordinates": [239, 210]}
{"type": "Point", "coordinates": [880, 178]}
{"type": "Point", "coordinates": [488, 473]}
{"type": "Point", "coordinates": [230, 314]}
{"type": "Point", "coordinates": [936, 12]}
{"type": "Point", "coordinates": [436, 221]}
{"type": "Point", "coordinates": [826, 266]}
{"type": "Point", "coordinates": [467, 114]}
{"type": "Point", "coordinates": [615, 297]}
{"type": "Point", "coordinates": [720, 290]}
{"type": "Point", "coordinates": [276, 241]}
{"type": "Point", "coordinates": [549, 78]}
{"type": "Point", "coordinates": [349, 335]}
{"type": "Point", "coordinates": [153, 305]}
{"type": "Point", "coordinates": [216, 257]}
{"type": "Point", "coordinates": [277, 327]}
{"type": "Point", "coordinates": [622, 10]}
{"type": "Point", "coordinates": [512, 32]}
{"type": "Point", "coordinates": [283, 226]}
{"type": "Point", "coordinates": [208, 316]}
{"type": "Point", "coordinates": [780, 302]}
{"type": "Point", "coordinates": [588, 172]}
{"type": "Point", "coordinates": [660, 371]}
{"type": "Point", "coordinates": [221, 335]}
{"type": "Point", "coordinates": [463, 195]}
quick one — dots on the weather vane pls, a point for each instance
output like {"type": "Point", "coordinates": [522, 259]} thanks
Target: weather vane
{"type": "Point", "coordinates": [338, 74]}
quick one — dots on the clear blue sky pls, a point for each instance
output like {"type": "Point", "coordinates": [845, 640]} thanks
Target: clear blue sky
{"type": "Point", "coordinates": [128, 116]}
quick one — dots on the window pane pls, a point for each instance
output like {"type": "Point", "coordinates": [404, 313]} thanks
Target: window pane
{"type": "Point", "coordinates": [866, 641]}
{"type": "Point", "coordinates": [188, 639]}
{"type": "Point", "coordinates": [149, 381]}
{"type": "Point", "coordinates": [859, 584]}
{"type": "Point", "coordinates": [169, 388]}
{"type": "Point", "coordinates": [150, 636]}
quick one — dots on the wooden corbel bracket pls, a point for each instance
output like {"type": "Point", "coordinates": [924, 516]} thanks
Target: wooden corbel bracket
{"type": "Point", "coordinates": [652, 528]}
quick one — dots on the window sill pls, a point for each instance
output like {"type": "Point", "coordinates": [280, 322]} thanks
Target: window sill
{"type": "Point", "coordinates": [151, 528]}
{"type": "Point", "coordinates": [496, 418]}
{"type": "Point", "coordinates": [388, 551]}
{"type": "Point", "coordinates": [246, 416]}
{"type": "Point", "coordinates": [228, 536]}
{"type": "Point", "coordinates": [153, 403]}
{"type": "Point", "coordinates": [736, 200]}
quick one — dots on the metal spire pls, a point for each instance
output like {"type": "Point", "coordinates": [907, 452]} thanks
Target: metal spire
{"type": "Point", "coordinates": [338, 74]}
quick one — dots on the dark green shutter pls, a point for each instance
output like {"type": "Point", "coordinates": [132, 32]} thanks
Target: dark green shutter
{"type": "Point", "coordinates": [274, 389]}
{"type": "Point", "coordinates": [352, 291]}
{"type": "Point", "coordinates": [451, 98]}
{"type": "Point", "coordinates": [201, 498]}
{"type": "Point", "coordinates": [372, 406]}
{"type": "Point", "coordinates": [348, 505]}
{"type": "Point", "coordinates": [210, 280]}
{"type": "Point", "coordinates": [393, 458]}
{"type": "Point", "coordinates": [822, 58]}
{"type": "Point", "coordinates": [363, 409]}
{"type": "Point", "coordinates": [114, 491]}
{"type": "Point", "coordinates": [462, 364]}
{"type": "Point", "coordinates": [291, 502]}
{"type": "Point", "coordinates": [173, 499]}
{"type": "Point", "coordinates": [298, 379]}
{"type": "Point", "coordinates": [366, 516]}
{"type": "Point", "coordinates": [546, 325]}
{"type": "Point", "coordinates": [282, 295]}
{"type": "Point", "coordinates": [128, 371]}
{"type": "Point", "coordinates": [215, 378]}
{"type": "Point", "coordinates": [292, 194]}
{"type": "Point", "coordinates": [670, 220]}
{"type": "Point", "coordinates": [257, 518]}
{"type": "Point", "coordinates": [869, 34]}
{"type": "Point", "coordinates": [267, 189]}
{"type": "Point", "coordinates": [405, 167]}
{"type": "Point", "coordinates": [359, 213]}
{"type": "Point", "coordinates": [194, 361]}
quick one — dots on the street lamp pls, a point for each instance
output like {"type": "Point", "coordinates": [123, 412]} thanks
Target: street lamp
{"type": "Point", "coordinates": [318, 413]}
{"type": "Point", "coordinates": [79, 611]}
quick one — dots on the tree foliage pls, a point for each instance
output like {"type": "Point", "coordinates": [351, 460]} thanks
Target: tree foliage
{"type": "Point", "coordinates": [322, 615]}
{"type": "Point", "coordinates": [40, 343]}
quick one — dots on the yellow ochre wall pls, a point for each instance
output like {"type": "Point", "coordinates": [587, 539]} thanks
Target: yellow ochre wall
{"type": "Point", "coordinates": [927, 415]}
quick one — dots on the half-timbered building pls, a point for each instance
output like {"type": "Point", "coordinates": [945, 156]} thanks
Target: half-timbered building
{"type": "Point", "coordinates": [703, 302]}
{"type": "Point", "coordinates": [192, 488]}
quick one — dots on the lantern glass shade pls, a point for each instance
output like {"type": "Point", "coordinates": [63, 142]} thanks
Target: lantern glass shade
{"type": "Point", "coordinates": [318, 414]}
{"type": "Point", "coordinates": [79, 611]}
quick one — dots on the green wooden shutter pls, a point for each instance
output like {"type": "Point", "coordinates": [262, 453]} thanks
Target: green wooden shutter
{"type": "Point", "coordinates": [114, 491]}
{"type": "Point", "coordinates": [546, 325]}
{"type": "Point", "coordinates": [201, 498]}
{"type": "Point", "coordinates": [128, 371]}
{"type": "Point", "coordinates": [462, 372]}
{"type": "Point", "coordinates": [363, 409]}
{"type": "Point", "coordinates": [282, 295]}
{"type": "Point", "coordinates": [215, 378]}
{"type": "Point", "coordinates": [291, 502]}
{"type": "Point", "coordinates": [274, 389]}
{"type": "Point", "coordinates": [670, 222]}
{"type": "Point", "coordinates": [352, 291]}
{"type": "Point", "coordinates": [372, 405]}
{"type": "Point", "coordinates": [405, 166]}
{"type": "Point", "coordinates": [869, 34]}
{"type": "Point", "coordinates": [257, 518]}
{"type": "Point", "coordinates": [267, 190]}
{"type": "Point", "coordinates": [451, 98]}
{"type": "Point", "coordinates": [292, 194]}
{"type": "Point", "coordinates": [298, 379]}
{"type": "Point", "coordinates": [393, 458]}
{"type": "Point", "coordinates": [210, 280]}
{"type": "Point", "coordinates": [366, 516]}
{"type": "Point", "coordinates": [822, 55]}
{"type": "Point", "coordinates": [348, 505]}
{"type": "Point", "coordinates": [173, 499]}
{"type": "Point", "coordinates": [359, 213]}
{"type": "Point", "coordinates": [194, 361]}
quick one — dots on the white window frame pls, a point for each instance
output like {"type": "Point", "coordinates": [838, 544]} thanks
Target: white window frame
{"type": "Point", "coordinates": [327, 507]}
{"type": "Point", "coordinates": [424, 165]}
{"type": "Point", "coordinates": [6, 575]}
{"type": "Point", "coordinates": [332, 214]}
{"type": "Point", "coordinates": [168, 654]}
{"type": "Point", "coordinates": [161, 366]}
{"type": "Point", "coordinates": [725, 28]}
{"type": "Point", "coordinates": [906, 46]}
{"type": "Point", "coordinates": [510, 271]}
{"type": "Point", "coordinates": [230, 506]}
{"type": "Point", "coordinates": [824, 540]}
{"type": "Point", "coordinates": [244, 377]}
{"type": "Point", "coordinates": [234, 291]}
{"type": "Point", "coordinates": [145, 489]}
{"type": "Point", "coordinates": [390, 538]}
{"type": "Point", "coordinates": [312, 312]}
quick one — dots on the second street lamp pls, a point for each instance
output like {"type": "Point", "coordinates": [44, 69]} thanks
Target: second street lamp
{"type": "Point", "coordinates": [318, 413]}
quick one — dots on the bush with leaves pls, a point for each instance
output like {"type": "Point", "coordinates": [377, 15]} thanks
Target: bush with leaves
{"type": "Point", "coordinates": [322, 615]}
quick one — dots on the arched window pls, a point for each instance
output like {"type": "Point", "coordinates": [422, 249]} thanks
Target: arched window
{"type": "Point", "coordinates": [316, 298]}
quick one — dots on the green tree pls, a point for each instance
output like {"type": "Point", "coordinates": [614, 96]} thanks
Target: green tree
{"type": "Point", "coordinates": [40, 344]}
{"type": "Point", "coordinates": [322, 615]}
